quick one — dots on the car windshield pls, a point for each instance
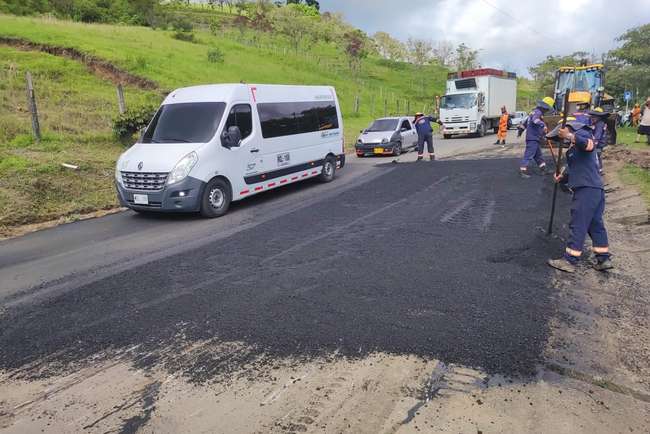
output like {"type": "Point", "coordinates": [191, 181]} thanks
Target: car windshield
{"type": "Point", "coordinates": [185, 123]}
{"type": "Point", "coordinates": [463, 100]}
{"type": "Point", "coordinates": [383, 125]}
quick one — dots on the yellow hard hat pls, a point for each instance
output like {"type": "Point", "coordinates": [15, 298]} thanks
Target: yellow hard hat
{"type": "Point", "coordinates": [599, 110]}
{"type": "Point", "coordinates": [570, 118]}
{"type": "Point", "coordinates": [550, 101]}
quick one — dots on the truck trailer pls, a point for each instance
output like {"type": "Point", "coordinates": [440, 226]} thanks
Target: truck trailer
{"type": "Point", "coordinates": [473, 100]}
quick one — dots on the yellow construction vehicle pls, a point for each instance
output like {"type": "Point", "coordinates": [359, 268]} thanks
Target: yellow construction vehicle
{"type": "Point", "coordinates": [586, 86]}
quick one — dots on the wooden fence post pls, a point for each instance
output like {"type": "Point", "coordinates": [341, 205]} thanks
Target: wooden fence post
{"type": "Point", "coordinates": [31, 101]}
{"type": "Point", "coordinates": [120, 99]}
{"type": "Point", "coordinates": [398, 112]}
{"type": "Point", "coordinates": [385, 107]}
{"type": "Point", "coordinates": [356, 104]}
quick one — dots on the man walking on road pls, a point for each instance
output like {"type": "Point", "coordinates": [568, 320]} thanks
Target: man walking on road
{"type": "Point", "coordinates": [425, 134]}
{"type": "Point", "coordinates": [588, 204]}
{"type": "Point", "coordinates": [535, 133]}
{"type": "Point", "coordinates": [503, 127]}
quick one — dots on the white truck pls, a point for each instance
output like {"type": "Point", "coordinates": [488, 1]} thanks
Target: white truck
{"type": "Point", "coordinates": [473, 100]}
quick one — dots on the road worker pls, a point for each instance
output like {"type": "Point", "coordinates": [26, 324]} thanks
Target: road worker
{"type": "Point", "coordinates": [503, 126]}
{"type": "Point", "coordinates": [588, 203]}
{"type": "Point", "coordinates": [535, 133]}
{"type": "Point", "coordinates": [581, 114]}
{"type": "Point", "coordinates": [425, 135]}
{"type": "Point", "coordinates": [635, 116]}
{"type": "Point", "coordinates": [598, 118]}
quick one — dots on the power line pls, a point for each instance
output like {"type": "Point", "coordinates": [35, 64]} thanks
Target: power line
{"type": "Point", "coordinates": [519, 20]}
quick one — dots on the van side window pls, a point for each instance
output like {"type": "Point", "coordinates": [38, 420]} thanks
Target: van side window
{"type": "Point", "coordinates": [241, 116]}
{"type": "Point", "coordinates": [406, 125]}
{"type": "Point", "coordinates": [290, 118]}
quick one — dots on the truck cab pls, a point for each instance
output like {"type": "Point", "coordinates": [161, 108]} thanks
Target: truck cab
{"type": "Point", "coordinates": [473, 100]}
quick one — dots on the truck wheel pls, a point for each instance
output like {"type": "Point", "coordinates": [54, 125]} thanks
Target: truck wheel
{"type": "Point", "coordinates": [446, 136]}
{"type": "Point", "coordinates": [216, 198]}
{"type": "Point", "coordinates": [329, 170]}
{"type": "Point", "coordinates": [482, 129]}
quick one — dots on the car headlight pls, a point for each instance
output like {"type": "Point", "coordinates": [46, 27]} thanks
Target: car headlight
{"type": "Point", "coordinates": [472, 126]}
{"type": "Point", "coordinates": [183, 168]}
{"type": "Point", "coordinates": [385, 140]}
{"type": "Point", "coordinates": [359, 142]}
{"type": "Point", "coordinates": [119, 166]}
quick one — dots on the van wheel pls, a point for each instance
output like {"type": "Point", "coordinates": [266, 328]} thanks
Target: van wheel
{"type": "Point", "coordinates": [329, 170]}
{"type": "Point", "coordinates": [216, 198]}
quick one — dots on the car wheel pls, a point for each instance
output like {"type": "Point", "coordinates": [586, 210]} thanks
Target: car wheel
{"type": "Point", "coordinates": [397, 151]}
{"type": "Point", "coordinates": [329, 170]}
{"type": "Point", "coordinates": [216, 198]}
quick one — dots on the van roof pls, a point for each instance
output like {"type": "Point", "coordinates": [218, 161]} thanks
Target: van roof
{"type": "Point", "coordinates": [253, 93]}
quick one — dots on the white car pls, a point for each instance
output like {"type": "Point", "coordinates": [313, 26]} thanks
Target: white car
{"type": "Point", "coordinates": [210, 145]}
{"type": "Point", "coordinates": [517, 118]}
{"type": "Point", "coordinates": [387, 136]}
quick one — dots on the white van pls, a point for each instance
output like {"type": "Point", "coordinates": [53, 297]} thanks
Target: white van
{"type": "Point", "coordinates": [210, 145]}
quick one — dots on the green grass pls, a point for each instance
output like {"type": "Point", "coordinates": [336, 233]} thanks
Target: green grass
{"type": "Point", "coordinates": [638, 177]}
{"type": "Point", "coordinates": [628, 136]}
{"type": "Point", "coordinates": [76, 107]}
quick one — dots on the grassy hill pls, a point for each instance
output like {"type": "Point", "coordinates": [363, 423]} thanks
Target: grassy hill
{"type": "Point", "coordinates": [77, 105]}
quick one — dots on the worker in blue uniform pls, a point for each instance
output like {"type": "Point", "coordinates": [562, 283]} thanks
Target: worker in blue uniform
{"type": "Point", "coordinates": [598, 117]}
{"type": "Point", "coordinates": [535, 132]}
{"type": "Point", "coordinates": [588, 204]}
{"type": "Point", "coordinates": [582, 114]}
{"type": "Point", "coordinates": [425, 135]}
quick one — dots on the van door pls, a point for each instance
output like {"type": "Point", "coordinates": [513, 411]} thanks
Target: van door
{"type": "Point", "coordinates": [241, 116]}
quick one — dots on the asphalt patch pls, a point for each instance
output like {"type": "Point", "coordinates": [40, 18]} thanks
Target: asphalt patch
{"type": "Point", "coordinates": [441, 260]}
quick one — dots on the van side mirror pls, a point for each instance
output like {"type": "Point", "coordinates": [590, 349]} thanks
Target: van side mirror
{"type": "Point", "coordinates": [231, 138]}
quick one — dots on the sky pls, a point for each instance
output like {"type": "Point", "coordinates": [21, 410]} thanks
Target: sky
{"type": "Point", "coordinates": [511, 35]}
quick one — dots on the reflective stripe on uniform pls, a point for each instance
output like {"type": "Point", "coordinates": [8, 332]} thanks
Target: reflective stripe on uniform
{"type": "Point", "coordinates": [576, 253]}
{"type": "Point", "coordinates": [590, 145]}
{"type": "Point", "coordinates": [601, 249]}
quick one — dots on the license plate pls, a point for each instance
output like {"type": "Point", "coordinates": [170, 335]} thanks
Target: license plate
{"type": "Point", "coordinates": [379, 150]}
{"type": "Point", "coordinates": [141, 199]}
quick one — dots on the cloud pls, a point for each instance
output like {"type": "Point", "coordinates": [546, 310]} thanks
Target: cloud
{"type": "Point", "coordinates": [510, 34]}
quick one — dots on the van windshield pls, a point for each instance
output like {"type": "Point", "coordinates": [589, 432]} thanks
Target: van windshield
{"type": "Point", "coordinates": [383, 125]}
{"type": "Point", "coordinates": [462, 101]}
{"type": "Point", "coordinates": [195, 122]}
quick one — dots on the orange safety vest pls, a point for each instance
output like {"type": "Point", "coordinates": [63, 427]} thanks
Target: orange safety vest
{"type": "Point", "coordinates": [503, 125]}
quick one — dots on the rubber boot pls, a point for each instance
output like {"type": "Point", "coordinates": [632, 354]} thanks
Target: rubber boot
{"type": "Point", "coordinates": [420, 157]}
{"type": "Point", "coordinates": [603, 265]}
{"type": "Point", "coordinates": [432, 157]}
{"type": "Point", "coordinates": [523, 174]}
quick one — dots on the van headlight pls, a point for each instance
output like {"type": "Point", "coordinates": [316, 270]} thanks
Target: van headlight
{"type": "Point", "coordinates": [182, 168]}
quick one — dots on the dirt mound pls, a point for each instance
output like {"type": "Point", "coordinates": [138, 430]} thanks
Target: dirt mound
{"type": "Point", "coordinates": [639, 158]}
{"type": "Point", "coordinates": [99, 67]}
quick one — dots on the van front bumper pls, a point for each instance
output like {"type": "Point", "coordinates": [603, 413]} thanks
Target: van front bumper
{"type": "Point", "coordinates": [184, 196]}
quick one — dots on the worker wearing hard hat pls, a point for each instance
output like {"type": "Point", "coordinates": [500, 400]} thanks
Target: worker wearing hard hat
{"type": "Point", "coordinates": [588, 204]}
{"type": "Point", "coordinates": [503, 126]}
{"type": "Point", "coordinates": [535, 131]}
{"type": "Point", "coordinates": [598, 117]}
{"type": "Point", "coordinates": [582, 114]}
{"type": "Point", "coordinates": [425, 134]}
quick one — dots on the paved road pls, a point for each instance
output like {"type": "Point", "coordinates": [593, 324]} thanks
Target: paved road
{"type": "Point", "coordinates": [120, 241]}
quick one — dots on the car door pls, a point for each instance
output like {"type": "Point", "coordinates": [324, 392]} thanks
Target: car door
{"type": "Point", "coordinates": [241, 116]}
{"type": "Point", "coordinates": [409, 136]}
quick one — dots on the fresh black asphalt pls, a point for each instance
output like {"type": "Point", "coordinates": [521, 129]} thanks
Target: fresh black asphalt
{"type": "Point", "coordinates": [441, 260]}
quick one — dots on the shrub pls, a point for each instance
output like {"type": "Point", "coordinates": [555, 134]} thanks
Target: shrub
{"type": "Point", "coordinates": [184, 36]}
{"type": "Point", "coordinates": [215, 55]}
{"type": "Point", "coordinates": [134, 120]}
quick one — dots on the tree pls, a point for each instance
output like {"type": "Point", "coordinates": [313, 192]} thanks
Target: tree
{"type": "Point", "coordinates": [292, 22]}
{"type": "Point", "coordinates": [444, 53]}
{"type": "Point", "coordinates": [466, 58]}
{"type": "Point", "coordinates": [389, 47]}
{"type": "Point", "coordinates": [419, 51]}
{"type": "Point", "coordinates": [355, 48]}
{"type": "Point", "coordinates": [544, 72]}
{"type": "Point", "coordinates": [629, 65]}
